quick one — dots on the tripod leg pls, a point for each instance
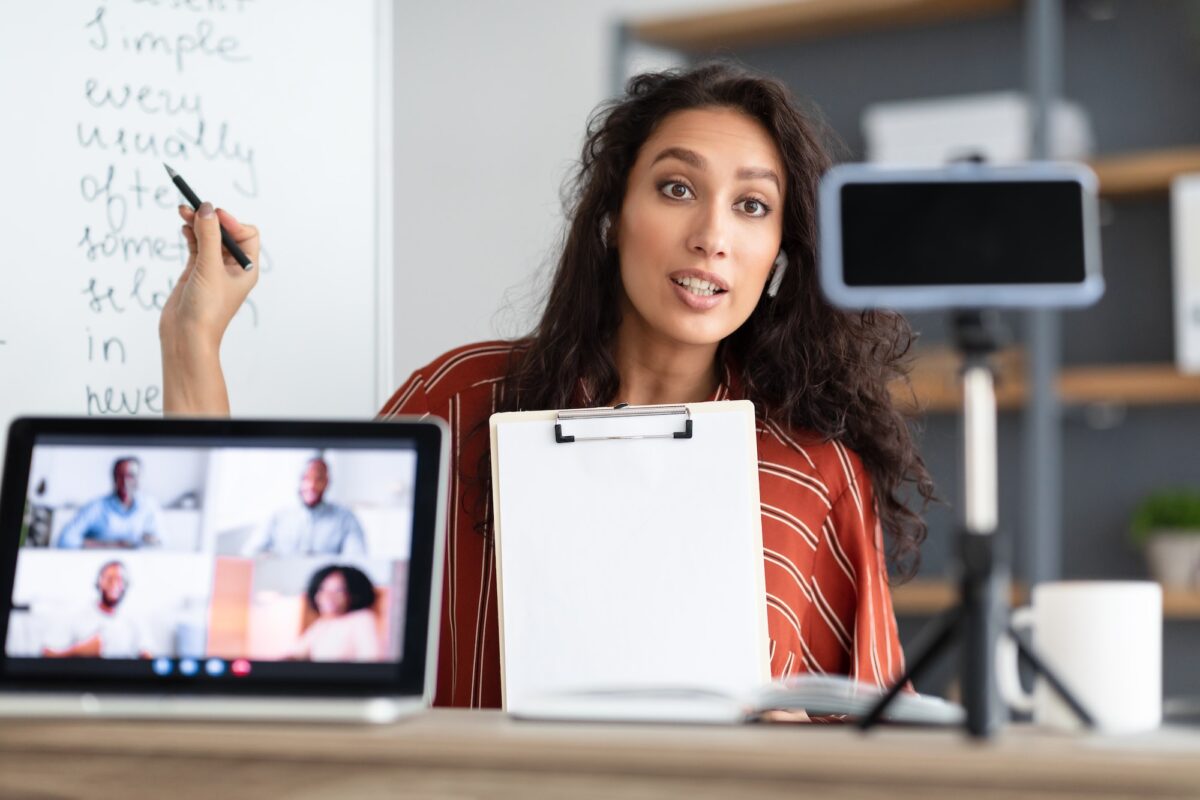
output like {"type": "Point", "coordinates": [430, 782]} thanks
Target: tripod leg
{"type": "Point", "coordinates": [947, 626]}
{"type": "Point", "coordinates": [1040, 667]}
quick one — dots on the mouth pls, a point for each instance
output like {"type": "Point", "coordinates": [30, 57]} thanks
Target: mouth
{"type": "Point", "coordinates": [698, 291]}
{"type": "Point", "coordinates": [700, 287]}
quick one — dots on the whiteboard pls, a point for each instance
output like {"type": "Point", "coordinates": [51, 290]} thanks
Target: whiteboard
{"type": "Point", "coordinates": [278, 110]}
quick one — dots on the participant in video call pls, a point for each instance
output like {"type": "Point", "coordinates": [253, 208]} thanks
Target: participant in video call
{"type": "Point", "coordinates": [314, 527]}
{"type": "Point", "coordinates": [105, 629]}
{"type": "Point", "coordinates": [122, 519]}
{"type": "Point", "coordinates": [346, 626]}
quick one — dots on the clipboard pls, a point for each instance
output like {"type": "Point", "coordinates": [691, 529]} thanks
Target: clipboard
{"type": "Point", "coordinates": [628, 550]}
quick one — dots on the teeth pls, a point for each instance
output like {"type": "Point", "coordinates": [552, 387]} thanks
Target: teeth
{"type": "Point", "coordinates": [698, 286]}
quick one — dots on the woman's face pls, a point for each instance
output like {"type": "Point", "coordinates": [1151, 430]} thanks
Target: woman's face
{"type": "Point", "coordinates": [700, 226]}
{"type": "Point", "coordinates": [332, 599]}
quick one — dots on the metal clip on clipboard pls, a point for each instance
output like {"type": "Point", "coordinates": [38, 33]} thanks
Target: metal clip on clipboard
{"type": "Point", "coordinates": [622, 412]}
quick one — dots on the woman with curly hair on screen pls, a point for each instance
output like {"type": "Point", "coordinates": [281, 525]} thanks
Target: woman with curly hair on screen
{"type": "Point", "coordinates": [346, 628]}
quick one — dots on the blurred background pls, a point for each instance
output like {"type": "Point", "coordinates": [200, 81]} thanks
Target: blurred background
{"type": "Point", "coordinates": [1100, 420]}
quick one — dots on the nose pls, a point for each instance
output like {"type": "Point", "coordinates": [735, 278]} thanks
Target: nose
{"type": "Point", "coordinates": [709, 236]}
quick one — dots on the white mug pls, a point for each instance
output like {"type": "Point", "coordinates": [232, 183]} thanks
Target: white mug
{"type": "Point", "coordinates": [1103, 640]}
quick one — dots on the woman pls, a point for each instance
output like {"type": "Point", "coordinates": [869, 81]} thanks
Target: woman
{"type": "Point", "coordinates": [345, 628]}
{"type": "Point", "coordinates": [687, 274]}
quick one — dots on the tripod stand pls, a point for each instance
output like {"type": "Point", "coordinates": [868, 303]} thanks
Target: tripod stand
{"type": "Point", "coordinates": [977, 618]}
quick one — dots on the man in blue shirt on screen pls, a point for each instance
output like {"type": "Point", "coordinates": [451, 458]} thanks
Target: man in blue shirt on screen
{"type": "Point", "coordinates": [121, 519]}
{"type": "Point", "coordinates": [314, 527]}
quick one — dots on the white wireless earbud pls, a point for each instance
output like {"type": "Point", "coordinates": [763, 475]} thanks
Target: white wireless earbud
{"type": "Point", "coordinates": [781, 264]}
{"type": "Point", "coordinates": [605, 227]}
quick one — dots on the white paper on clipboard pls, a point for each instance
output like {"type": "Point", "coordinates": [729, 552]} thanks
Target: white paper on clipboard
{"type": "Point", "coordinates": [629, 562]}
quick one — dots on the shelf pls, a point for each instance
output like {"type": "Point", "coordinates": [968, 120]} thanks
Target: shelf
{"type": "Point", "coordinates": [1128, 384]}
{"type": "Point", "coordinates": [1144, 173]}
{"type": "Point", "coordinates": [1181, 604]}
{"type": "Point", "coordinates": [927, 596]}
{"type": "Point", "coordinates": [935, 384]}
{"type": "Point", "coordinates": [935, 381]}
{"type": "Point", "coordinates": [799, 19]}
{"type": "Point", "coordinates": [1125, 175]}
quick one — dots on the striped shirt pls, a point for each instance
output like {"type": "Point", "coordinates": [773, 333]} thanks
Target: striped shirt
{"type": "Point", "coordinates": [829, 608]}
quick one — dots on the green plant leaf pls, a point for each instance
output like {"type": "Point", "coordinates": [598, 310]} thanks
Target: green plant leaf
{"type": "Point", "coordinates": [1176, 509]}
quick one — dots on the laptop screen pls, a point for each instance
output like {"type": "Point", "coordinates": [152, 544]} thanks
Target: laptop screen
{"type": "Point", "coordinates": [219, 562]}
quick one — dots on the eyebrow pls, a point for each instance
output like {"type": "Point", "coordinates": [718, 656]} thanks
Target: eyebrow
{"type": "Point", "coordinates": [696, 160]}
{"type": "Point", "coordinates": [752, 173]}
{"type": "Point", "coordinates": [684, 155]}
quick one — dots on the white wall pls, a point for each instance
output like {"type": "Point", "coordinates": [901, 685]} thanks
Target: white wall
{"type": "Point", "coordinates": [491, 103]}
{"type": "Point", "coordinates": [75, 476]}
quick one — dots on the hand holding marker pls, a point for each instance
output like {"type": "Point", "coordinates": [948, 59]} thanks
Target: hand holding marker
{"type": "Point", "coordinates": [226, 239]}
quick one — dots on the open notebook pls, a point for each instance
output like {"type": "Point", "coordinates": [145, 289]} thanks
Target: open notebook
{"type": "Point", "coordinates": [816, 695]}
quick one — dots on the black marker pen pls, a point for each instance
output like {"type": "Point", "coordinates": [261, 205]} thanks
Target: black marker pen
{"type": "Point", "coordinates": [226, 239]}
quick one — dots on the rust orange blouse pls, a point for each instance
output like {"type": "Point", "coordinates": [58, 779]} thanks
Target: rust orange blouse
{"type": "Point", "coordinates": [829, 608]}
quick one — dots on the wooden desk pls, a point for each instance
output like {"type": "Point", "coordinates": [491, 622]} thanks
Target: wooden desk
{"type": "Point", "coordinates": [453, 754]}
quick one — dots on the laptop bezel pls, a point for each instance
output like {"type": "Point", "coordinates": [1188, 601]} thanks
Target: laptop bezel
{"type": "Point", "coordinates": [414, 676]}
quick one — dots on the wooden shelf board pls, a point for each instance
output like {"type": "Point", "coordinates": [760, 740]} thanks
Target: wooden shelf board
{"type": "Point", "coordinates": [932, 596]}
{"type": "Point", "coordinates": [923, 597]}
{"type": "Point", "coordinates": [799, 19]}
{"type": "Point", "coordinates": [1144, 173]}
{"type": "Point", "coordinates": [935, 384]}
{"type": "Point", "coordinates": [1179, 604]}
{"type": "Point", "coordinates": [1128, 384]}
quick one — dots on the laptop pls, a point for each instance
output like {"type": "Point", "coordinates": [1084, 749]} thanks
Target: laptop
{"type": "Point", "coordinates": [221, 568]}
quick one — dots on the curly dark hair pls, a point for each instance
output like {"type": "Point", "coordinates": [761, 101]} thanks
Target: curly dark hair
{"type": "Point", "coordinates": [803, 363]}
{"type": "Point", "coordinates": [358, 586]}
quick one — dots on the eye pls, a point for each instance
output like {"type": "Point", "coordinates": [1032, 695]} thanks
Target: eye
{"type": "Point", "coordinates": [754, 207]}
{"type": "Point", "coordinates": [676, 190]}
